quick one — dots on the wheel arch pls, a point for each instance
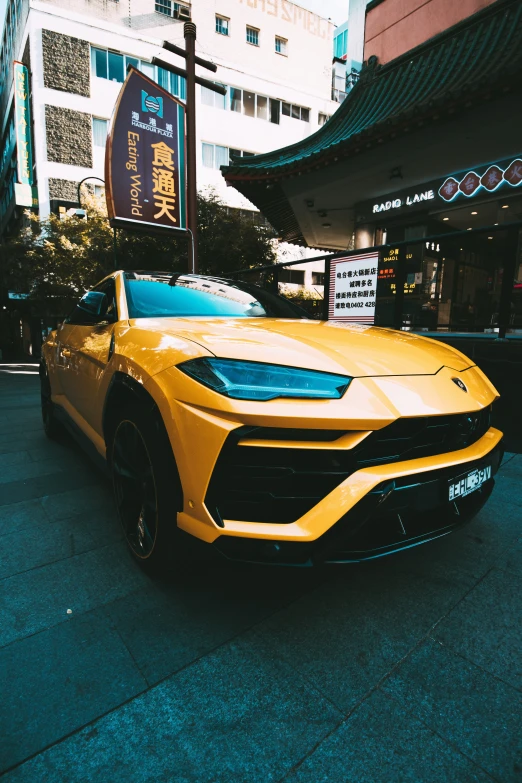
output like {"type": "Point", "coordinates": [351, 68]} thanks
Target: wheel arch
{"type": "Point", "coordinates": [123, 391]}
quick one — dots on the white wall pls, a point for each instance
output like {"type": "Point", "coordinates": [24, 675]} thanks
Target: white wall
{"type": "Point", "coordinates": [303, 77]}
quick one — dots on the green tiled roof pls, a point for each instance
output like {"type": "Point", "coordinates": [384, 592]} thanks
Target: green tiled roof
{"type": "Point", "coordinates": [476, 57]}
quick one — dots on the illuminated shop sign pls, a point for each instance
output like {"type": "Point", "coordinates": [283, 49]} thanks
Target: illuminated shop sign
{"type": "Point", "coordinates": [407, 201]}
{"type": "Point", "coordinates": [353, 287]}
{"type": "Point", "coordinates": [472, 183]}
{"type": "Point", "coordinates": [22, 111]}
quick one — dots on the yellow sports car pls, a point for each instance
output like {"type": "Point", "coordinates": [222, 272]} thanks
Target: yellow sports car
{"type": "Point", "coordinates": [224, 414]}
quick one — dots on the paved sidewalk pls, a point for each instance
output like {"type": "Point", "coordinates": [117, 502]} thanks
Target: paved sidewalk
{"type": "Point", "coordinates": [403, 669]}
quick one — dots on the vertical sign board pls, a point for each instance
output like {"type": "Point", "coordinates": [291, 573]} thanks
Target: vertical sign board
{"type": "Point", "coordinates": [353, 288]}
{"type": "Point", "coordinates": [145, 158]}
{"type": "Point", "coordinates": [22, 113]}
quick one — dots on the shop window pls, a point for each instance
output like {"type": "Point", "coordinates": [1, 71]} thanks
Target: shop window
{"type": "Point", "coordinates": [222, 25]}
{"type": "Point", "coordinates": [252, 36]}
{"type": "Point", "coordinates": [99, 132]}
{"type": "Point", "coordinates": [281, 45]}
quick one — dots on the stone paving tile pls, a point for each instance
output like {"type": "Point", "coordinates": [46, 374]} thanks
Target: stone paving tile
{"type": "Point", "coordinates": [472, 550]}
{"type": "Point", "coordinates": [349, 633]}
{"type": "Point", "coordinates": [51, 484]}
{"type": "Point", "coordinates": [511, 559]}
{"type": "Point", "coordinates": [232, 717]}
{"type": "Point", "coordinates": [39, 545]}
{"type": "Point", "coordinates": [19, 516]}
{"type": "Point", "coordinates": [509, 486]}
{"type": "Point", "coordinates": [13, 458]}
{"type": "Point", "coordinates": [94, 499]}
{"type": "Point", "coordinates": [475, 712]}
{"type": "Point", "coordinates": [59, 680]}
{"type": "Point", "coordinates": [31, 470]}
{"type": "Point", "coordinates": [39, 599]}
{"type": "Point", "coordinates": [486, 626]}
{"type": "Point", "coordinates": [380, 743]}
{"type": "Point", "coordinates": [166, 627]}
{"type": "Point", "coordinates": [23, 441]}
{"type": "Point", "coordinates": [512, 467]}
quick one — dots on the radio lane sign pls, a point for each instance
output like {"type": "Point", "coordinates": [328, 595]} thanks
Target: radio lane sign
{"type": "Point", "coordinates": [145, 158]}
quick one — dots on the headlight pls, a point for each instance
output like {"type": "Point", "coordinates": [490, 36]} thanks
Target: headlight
{"type": "Point", "coordinates": [257, 381]}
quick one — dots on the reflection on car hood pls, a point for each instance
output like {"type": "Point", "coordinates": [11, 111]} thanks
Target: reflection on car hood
{"type": "Point", "coordinates": [350, 349]}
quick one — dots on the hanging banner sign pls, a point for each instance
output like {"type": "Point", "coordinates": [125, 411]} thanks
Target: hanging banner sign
{"type": "Point", "coordinates": [145, 181]}
{"type": "Point", "coordinates": [353, 288]}
{"type": "Point", "coordinates": [22, 118]}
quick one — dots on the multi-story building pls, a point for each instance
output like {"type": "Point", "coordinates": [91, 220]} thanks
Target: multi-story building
{"type": "Point", "coordinates": [274, 57]}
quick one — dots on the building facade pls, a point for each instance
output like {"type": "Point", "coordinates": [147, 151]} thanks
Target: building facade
{"type": "Point", "coordinates": [274, 58]}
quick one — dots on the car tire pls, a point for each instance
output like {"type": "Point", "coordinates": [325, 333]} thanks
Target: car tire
{"type": "Point", "coordinates": [52, 427]}
{"type": "Point", "coordinates": [147, 489]}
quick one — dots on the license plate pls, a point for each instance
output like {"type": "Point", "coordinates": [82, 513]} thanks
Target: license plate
{"type": "Point", "coordinates": [468, 482]}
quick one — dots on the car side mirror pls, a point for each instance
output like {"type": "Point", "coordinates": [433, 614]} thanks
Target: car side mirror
{"type": "Point", "coordinates": [94, 304]}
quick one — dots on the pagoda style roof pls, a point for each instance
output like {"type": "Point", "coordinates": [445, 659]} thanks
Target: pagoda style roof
{"type": "Point", "coordinates": [473, 61]}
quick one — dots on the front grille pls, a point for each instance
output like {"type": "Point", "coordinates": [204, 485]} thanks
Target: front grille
{"type": "Point", "coordinates": [264, 484]}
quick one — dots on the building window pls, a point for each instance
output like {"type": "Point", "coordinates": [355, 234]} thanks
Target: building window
{"type": "Point", "coordinates": [295, 276]}
{"type": "Point", "coordinates": [317, 278]}
{"type": "Point", "coordinates": [173, 9]}
{"type": "Point", "coordinates": [214, 156]}
{"type": "Point", "coordinates": [222, 25]}
{"type": "Point", "coordinates": [252, 36]}
{"type": "Point", "coordinates": [281, 45]}
{"type": "Point", "coordinates": [253, 105]}
{"type": "Point", "coordinates": [113, 66]}
{"type": "Point", "coordinates": [322, 118]}
{"type": "Point", "coordinates": [296, 112]}
{"type": "Point", "coordinates": [99, 132]}
{"type": "Point", "coordinates": [341, 45]}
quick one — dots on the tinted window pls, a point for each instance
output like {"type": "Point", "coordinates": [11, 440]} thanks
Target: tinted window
{"type": "Point", "coordinates": [190, 295]}
{"type": "Point", "coordinates": [96, 305]}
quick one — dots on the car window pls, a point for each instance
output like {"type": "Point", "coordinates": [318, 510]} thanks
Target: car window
{"type": "Point", "coordinates": [185, 296]}
{"type": "Point", "coordinates": [96, 305]}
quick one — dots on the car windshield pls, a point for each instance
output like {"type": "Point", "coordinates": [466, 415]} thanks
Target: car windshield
{"type": "Point", "coordinates": [184, 296]}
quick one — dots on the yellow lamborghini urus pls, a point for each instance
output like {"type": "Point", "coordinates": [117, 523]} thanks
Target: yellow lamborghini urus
{"type": "Point", "coordinates": [223, 413]}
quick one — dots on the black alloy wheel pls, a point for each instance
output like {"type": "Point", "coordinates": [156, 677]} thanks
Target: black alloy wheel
{"type": "Point", "coordinates": [135, 489]}
{"type": "Point", "coordinates": [147, 489]}
{"type": "Point", "coordinates": [52, 426]}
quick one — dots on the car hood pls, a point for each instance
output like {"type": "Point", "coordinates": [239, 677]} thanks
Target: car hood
{"type": "Point", "coordinates": [352, 349]}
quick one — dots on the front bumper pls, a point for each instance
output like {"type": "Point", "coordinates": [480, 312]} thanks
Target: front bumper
{"type": "Point", "coordinates": [396, 514]}
{"type": "Point", "coordinates": [357, 445]}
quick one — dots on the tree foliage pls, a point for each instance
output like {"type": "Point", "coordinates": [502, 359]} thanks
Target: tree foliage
{"type": "Point", "coordinates": [56, 260]}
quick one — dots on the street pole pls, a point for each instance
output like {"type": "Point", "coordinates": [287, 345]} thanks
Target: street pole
{"type": "Point", "coordinates": [189, 31]}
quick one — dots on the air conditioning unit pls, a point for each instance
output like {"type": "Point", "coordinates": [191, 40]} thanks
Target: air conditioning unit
{"type": "Point", "coordinates": [182, 12]}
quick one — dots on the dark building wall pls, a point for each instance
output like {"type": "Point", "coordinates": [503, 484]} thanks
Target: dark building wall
{"type": "Point", "coordinates": [66, 63]}
{"type": "Point", "coordinates": [69, 136]}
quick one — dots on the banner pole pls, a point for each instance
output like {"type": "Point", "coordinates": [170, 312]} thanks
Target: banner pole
{"type": "Point", "coordinates": [189, 32]}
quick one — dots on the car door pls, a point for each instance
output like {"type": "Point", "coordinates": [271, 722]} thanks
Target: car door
{"type": "Point", "coordinates": [87, 348]}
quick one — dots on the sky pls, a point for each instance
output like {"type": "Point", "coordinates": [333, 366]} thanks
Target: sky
{"type": "Point", "coordinates": [336, 10]}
